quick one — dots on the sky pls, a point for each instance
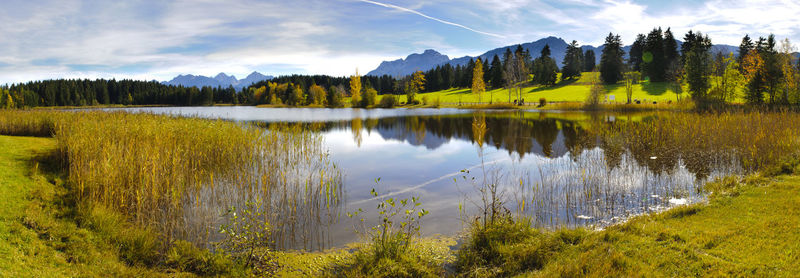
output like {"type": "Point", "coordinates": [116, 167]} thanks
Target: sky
{"type": "Point", "coordinates": [158, 40]}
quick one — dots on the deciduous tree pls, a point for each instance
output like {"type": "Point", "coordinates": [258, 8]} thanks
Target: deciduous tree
{"type": "Point", "coordinates": [355, 89]}
{"type": "Point", "coordinates": [478, 87]}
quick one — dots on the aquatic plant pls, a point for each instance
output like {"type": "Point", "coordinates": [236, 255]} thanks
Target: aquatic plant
{"type": "Point", "coordinates": [177, 175]}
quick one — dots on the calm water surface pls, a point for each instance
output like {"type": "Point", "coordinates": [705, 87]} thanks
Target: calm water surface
{"type": "Point", "coordinates": [545, 165]}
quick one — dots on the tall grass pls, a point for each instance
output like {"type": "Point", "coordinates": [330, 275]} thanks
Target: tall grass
{"type": "Point", "coordinates": [177, 175]}
{"type": "Point", "coordinates": [26, 123]}
{"type": "Point", "coordinates": [755, 139]}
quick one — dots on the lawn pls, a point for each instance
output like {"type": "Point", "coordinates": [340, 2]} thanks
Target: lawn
{"type": "Point", "coordinates": [564, 91]}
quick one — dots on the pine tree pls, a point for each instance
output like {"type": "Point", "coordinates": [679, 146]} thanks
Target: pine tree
{"type": "Point", "coordinates": [744, 48]}
{"type": "Point", "coordinates": [671, 55]}
{"type": "Point", "coordinates": [466, 82]}
{"type": "Point", "coordinates": [697, 62]}
{"type": "Point", "coordinates": [653, 56]}
{"type": "Point", "coordinates": [545, 69]}
{"type": "Point", "coordinates": [688, 43]}
{"type": "Point", "coordinates": [637, 49]}
{"type": "Point", "coordinates": [573, 61]}
{"type": "Point", "coordinates": [589, 60]}
{"type": "Point", "coordinates": [772, 68]}
{"type": "Point", "coordinates": [611, 61]}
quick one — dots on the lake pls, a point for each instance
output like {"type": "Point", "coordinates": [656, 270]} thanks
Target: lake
{"type": "Point", "coordinates": [545, 164]}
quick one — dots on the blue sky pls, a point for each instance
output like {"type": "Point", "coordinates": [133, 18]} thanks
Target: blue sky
{"type": "Point", "coordinates": [160, 39]}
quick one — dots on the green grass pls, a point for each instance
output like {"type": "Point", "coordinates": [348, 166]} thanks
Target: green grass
{"type": "Point", "coordinates": [34, 241]}
{"type": "Point", "coordinates": [752, 230]}
{"type": "Point", "coordinates": [44, 233]}
{"type": "Point", "coordinates": [563, 91]}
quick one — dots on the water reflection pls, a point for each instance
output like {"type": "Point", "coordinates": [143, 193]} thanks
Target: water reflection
{"type": "Point", "coordinates": [554, 167]}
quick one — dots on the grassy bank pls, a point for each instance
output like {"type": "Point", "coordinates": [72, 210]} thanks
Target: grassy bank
{"type": "Point", "coordinates": [39, 231]}
{"type": "Point", "coordinates": [157, 187]}
{"type": "Point", "coordinates": [748, 228]}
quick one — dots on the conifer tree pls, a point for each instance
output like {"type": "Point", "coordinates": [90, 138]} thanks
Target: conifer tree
{"type": "Point", "coordinates": [611, 61]}
{"type": "Point", "coordinates": [744, 48]}
{"type": "Point", "coordinates": [589, 60]}
{"type": "Point", "coordinates": [637, 49]}
{"type": "Point", "coordinates": [671, 54]}
{"type": "Point", "coordinates": [573, 61]}
{"type": "Point", "coordinates": [653, 56]}
{"type": "Point", "coordinates": [545, 70]}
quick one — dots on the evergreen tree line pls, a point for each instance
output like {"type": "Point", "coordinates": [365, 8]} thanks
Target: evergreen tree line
{"type": "Point", "coordinates": [85, 92]}
{"type": "Point", "coordinates": [768, 73]}
{"type": "Point", "coordinates": [496, 72]}
{"type": "Point", "coordinates": [82, 92]}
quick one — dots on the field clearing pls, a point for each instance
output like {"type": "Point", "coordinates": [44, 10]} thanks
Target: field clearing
{"type": "Point", "coordinates": [563, 91]}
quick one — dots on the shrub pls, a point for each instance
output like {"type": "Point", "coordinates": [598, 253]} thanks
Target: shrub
{"type": "Point", "coordinates": [388, 101]}
{"type": "Point", "coordinates": [184, 256]}
{"type": "Point", "coordinates": [542, 102]}
{"type": "Point", "coordinates": [368, 99]}
{"type": "Point", "coordinates": [139, 246]}
{"type": "Point", "coordinates": [388, 252]}
{"type": "Point", "coordinates": [437, 102]}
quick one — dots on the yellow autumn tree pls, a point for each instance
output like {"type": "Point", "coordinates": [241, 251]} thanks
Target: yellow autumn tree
{"type": "Point", "coordinates": [316, 95]}
{"type": "Point", "coordinates": [272, 98]}
{"type": "Point", "coordinates": [753, 71]}
{"type": "Point", "coordinates": [478, 87]}
{"type": "Point", "coordinates": [260, 94]}
{"type": "Point", "coordinates": [791, 74]}
{"type": "Point", "coordinates": [416, 85]}
{"type": "Point", "coordinates": [355, 89]}
{"type": "Point", "coordinates": [9, 100]}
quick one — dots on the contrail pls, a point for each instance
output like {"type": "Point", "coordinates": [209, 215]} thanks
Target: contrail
{"type": "Point", "coordinates": [430, 17]}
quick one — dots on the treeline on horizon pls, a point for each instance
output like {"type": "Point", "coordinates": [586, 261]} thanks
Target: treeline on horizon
{"type": "Point", "coordinates": [85, 92]}
{"type": "Point", "coordinates": [765, 71]}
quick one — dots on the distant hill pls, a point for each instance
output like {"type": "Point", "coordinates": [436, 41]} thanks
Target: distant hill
{"type": "Point", "coordinates": [221, 80]}
{"type": "Point", "coordinates": [558, 48]}
{"type": "Point", "coordinates": [414, 62]}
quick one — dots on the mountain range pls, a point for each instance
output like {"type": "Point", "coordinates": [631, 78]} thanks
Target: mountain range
{"type": "Point", "coordinates": [221, 80]}
{"type": "Point", "coordinates": [431, 58]}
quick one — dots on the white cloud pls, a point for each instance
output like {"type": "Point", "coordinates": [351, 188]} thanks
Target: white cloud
{"type": "Point", "coordinates": [157, 40]}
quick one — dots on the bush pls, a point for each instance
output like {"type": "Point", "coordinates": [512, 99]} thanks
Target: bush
{"type": "Point", "coordinates": [389, 251]}
{"type": "Point", "coordinates": [542, 102]}
{"type": "Point", "coordinates": [139, 246]}
{"type": "Point", "coordinates": [388, 101]}
{"type": "Point", "coordinates": [335, 97]}
{"type": "Point", "coordinates": [368, 99]}
{"type": "Point", "coordinates": [184, 256]}
{"type": "Point", "coordinates": [437, 102]}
